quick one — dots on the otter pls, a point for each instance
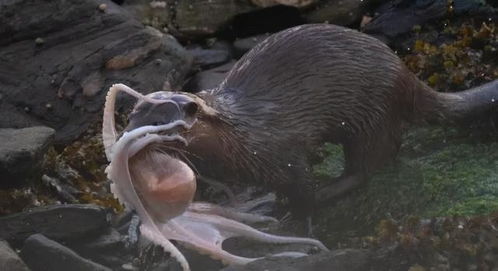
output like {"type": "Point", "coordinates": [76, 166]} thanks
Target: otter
{"type": "Point", "coordinates": [294, 91]}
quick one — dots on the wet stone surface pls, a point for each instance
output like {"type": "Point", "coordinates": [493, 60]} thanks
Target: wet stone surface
{"type": "Point", "coordinates": [430, 210]}
{"type": "Point", "coordinates": [41, 253]}
{"type": "Point", "coordinates": [242, 46]}
{"type": "Point", "coordinates": [347, 259]}
{"type": "Point", "coordinates": [21, 152]}
{"type": "Point", "coordinates": [208, 79]}
{"type": "Point", "coordinates": [57, 64]}
{"type": "Point", "coordinates": [9, 260]}
{"type": "Point", "coordinates": [209, 58]}
{"type": "Point", "coordinates": [59, 222]}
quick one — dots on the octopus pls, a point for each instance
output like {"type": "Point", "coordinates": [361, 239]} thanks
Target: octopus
{"type": "Point", "coordinates": [160, 188]}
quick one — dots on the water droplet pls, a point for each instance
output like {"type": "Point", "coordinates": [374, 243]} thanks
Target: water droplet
{"type": "Point", "coordinates": [39, 41]}
{"type": "Point", "coordinates": [102, 7]}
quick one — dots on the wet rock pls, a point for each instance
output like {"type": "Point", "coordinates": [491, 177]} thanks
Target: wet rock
{"type": "Point", "coordinates": [339, 12]}
{"type": "Point", "coordinates": [472, 6]}
{"type": "Point", "coordinates": [208, 58]}
{"type": "Point", "coordinates": [337, 260]}
{"type": "Point", "coordinates": [242, 46]}
{"type": "Point", "coordinates": [222, 45]}
{"type": "Point", "coordinates": [192, 20]}
{"type": "Point", "coordinates": [197, 18]}
{"type": "Point", "coordinates": [208, 79]}
{"type": "Point", "coordinates": [66, 193]}
{"type": "Point", "coordinates": [84, 50]}
{"type": "Point", "coordinates": [41, 253]}
{"type": "Point", "coordinates": [108, 249]}
{"type": "Point", "coordinates": [293, 3]}
{"type": "Point", "coordinates": [9, 260]}
{"type": "Point", "coordinates": [398, 17]}
{"type": "Point", "coordinates": [189, 19]}
{"type": "Point", "coordinates": [59, 222]}
{"type": "Point", "coordinates": [21, 152]}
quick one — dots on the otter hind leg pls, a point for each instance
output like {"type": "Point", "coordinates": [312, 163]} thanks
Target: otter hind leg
{"type": "Point", "coordinates": [363, 155]}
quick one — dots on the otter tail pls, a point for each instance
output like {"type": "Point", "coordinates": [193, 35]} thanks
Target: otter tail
{"type": "Point", "coordinates": [459, 107]}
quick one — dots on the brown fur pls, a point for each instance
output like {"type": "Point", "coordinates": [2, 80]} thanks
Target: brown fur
{"type": "Point", "coordinates": [313, 84]}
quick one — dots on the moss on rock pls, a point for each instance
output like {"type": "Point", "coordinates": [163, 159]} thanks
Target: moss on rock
{"type": "Point", "coordinates": [437, 173]}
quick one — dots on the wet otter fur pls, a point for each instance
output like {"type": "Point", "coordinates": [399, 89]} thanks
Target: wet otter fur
{"type": "Point", "coordinates": [305, 86]}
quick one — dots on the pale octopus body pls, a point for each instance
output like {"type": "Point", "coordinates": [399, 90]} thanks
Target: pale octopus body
{"type": "Point", "coordinates": [161, 188]}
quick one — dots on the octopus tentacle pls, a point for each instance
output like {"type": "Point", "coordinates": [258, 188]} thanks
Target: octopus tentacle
{"type": "Point", "coordinates": [206, 234]}
{"type": "Point", "coordinates": [109, 133]}
{"type": "Point", "coordinates": [124, 189]}
{"type": "Point", "coordinates": [239, 229]}
{"type": "Point", "coordinates": [212, 209]}
{"type": "Point", "coordinates": [202, 237]}
{"type": "Point", "coordinates": [151, 138]}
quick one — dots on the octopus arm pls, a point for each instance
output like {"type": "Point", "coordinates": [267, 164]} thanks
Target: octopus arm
{"type": "Point", "coordinates": [206, 233]}
{"type": "Point", "coordinates": [124, 190]}
{"type": "Point", "coordinates": [212, 209]}
{"type": "Point", "coordinates": [109, 134]}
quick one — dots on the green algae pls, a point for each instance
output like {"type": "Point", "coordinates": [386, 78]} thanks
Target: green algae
{"type": "Point", "coordinates": [438, 172]}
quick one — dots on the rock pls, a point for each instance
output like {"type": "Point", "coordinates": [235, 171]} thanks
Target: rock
{"type": "Point", "coordinates": [189, 19]}
{"type": "Point", "coordinates": [84, 51]}
{"type": "Point", "coordinates": [340, 12]}
{"type": "Point", "coordinates": [65, 192]}
{"type": "Point", "coordinates": [21, 152]}
{"type": "Point", "coordinates": [242, 46]}
{"type": "Point", "coordinates": [208, 79]}
{"type": "Point", "coordinates": [198, 18]}
{"type": "Point", "coordinates": [337, 260]}
{"type": "Point", "coordinates": [293, 3]}
{"type": "Point", "coordinates": [473, 6]}
{"type": "Point", "coordinates": [108, 249]}
{"type": "Point", "coordinates": [59, 222]}
{"type": "Point", "coordinates": [222, 45]}
{"type": "Point", "coordinates": [41, 253]}
{"type": "Point", "coordinates": [209, 58]}
{"type": "Point", "coordinates": [9, 260]}
{"type": "Point", "coordinates": [398, 17]}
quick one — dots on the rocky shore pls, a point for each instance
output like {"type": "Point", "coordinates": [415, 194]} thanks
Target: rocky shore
{"type": "Point", "coordinates": [435, 209]}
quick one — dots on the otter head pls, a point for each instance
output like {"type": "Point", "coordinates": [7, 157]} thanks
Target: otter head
{"type": "Point", "coordinates": [157, 127]}
{"type": "Point", "coordinates": [199, 138]}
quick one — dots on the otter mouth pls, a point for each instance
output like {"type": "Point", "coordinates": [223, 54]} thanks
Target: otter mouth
{"type": "Point", "coordinates": [148, 156]}
{"type": "Point", "coordinates": [167, 118]}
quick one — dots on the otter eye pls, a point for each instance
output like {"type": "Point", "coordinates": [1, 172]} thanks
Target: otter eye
{"type": "Point", "coordinates": [191, 108]}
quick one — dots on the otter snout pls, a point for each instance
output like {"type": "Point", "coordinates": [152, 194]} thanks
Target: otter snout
{"type": "Point", "coordinates": [175, 107]}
